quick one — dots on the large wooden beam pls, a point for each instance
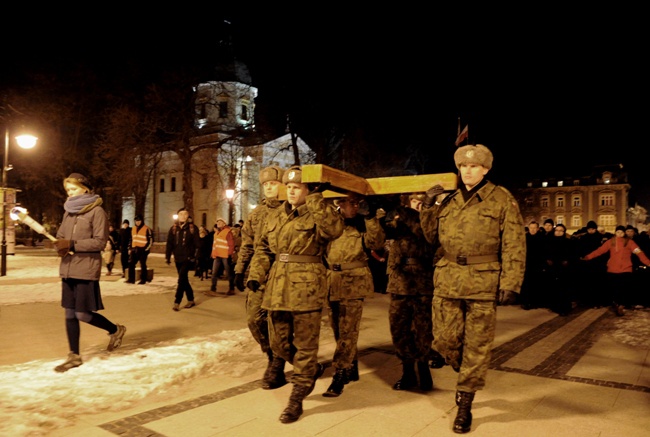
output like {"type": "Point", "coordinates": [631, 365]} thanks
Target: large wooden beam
{"type": "Point", "coordinates": [343, 182]}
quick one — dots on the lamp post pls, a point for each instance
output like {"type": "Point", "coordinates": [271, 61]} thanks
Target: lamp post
{"type": "Point", "coordinates": [230, 194]}
{"type": "Point", "coordinates": [26, 142]}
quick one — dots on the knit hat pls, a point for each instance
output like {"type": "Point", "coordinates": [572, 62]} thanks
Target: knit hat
{"type": "Point", "coordinates": [294, 174]}
{"type": "Point", "coordinates": [592, 225]}
{"type": "Point", "coordinates": [272, 173]}
{"type": "Point", "coordinates": [478, 154]}
{"type": "Point", "coordinates": [137, 217]}
{"type": "Point", "coordinates": [620, 228]}
{"type": "Point", "coordinates": [126, 222]}
{"type": "Point", "coordinates": [79, 180]}
{"type": "Point", "coordinates": [552, 223]}
{"type": "Point", "coordinates": [221, 219]}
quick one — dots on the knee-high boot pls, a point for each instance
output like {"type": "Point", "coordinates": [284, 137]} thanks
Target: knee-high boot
{"type": "Point", "coordinates": [408, 379]}
{"type": "Point", "coordinates": [274, 377]}
{"type": "Point", "coordinates": [426, 382]}
{"type": "Point", "coordinates": [463, 421]}
{"type": "Point", "coordinates": [294, 408]}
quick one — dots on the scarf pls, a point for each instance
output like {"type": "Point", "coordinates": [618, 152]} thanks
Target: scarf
{"type": "Point", "coordinates": [82, 203]}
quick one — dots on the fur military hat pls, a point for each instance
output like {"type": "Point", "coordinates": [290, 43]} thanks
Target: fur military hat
{"type": "Point", "coordinates": [79, 180]}
{"type": "Point", "coordinates": [271, 173]}
{"type": "Point", "coordinates": [478, 154]}
{"type": "Point", "coordinates": [293, 174]}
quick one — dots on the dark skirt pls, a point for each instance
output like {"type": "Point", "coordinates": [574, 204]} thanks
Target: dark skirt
{"type": "Point", "coordinates": [81, 295]}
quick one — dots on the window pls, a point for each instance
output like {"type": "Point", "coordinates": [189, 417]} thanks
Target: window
{"type": "Point", "coordinates": [577, 221]}
{"type": "Point", "coordinates": [223, 109]}
{"type": "Point", "coordinates": [559, 201]}
{"type": "Point", "coordinates": [559, 220]}
{"type": "Point", "coordinates": [173, 188]}
{"type": "Point", "coordinates": [162, 185]}
{"type": "Point", "coordinates": [576, 200]}
{"type": "Point", "coordinates": [529, 202]}
{"type": "Point", "coordinates": [544, 184]}
{"type": "Point", "coordinates": [607, 200]}
{"type": "Point", "coordinates": [204, 182]}
{"type": "Point", "coordinates": [607, 220]}
{"type": "Point", "coordinates": [576, 182]}
{"type": "Point", "coordinates": [607, 177]}
{"type": "Point", "coordinates": [544, 201]}
{"type": "Point", "coordinates": [560, 183]}
{"type": "Point", "coordinates": [204, 218]}
{"type": "Point", "coordinates": [244, 112]}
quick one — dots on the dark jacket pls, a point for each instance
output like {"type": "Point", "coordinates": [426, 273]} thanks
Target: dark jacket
{"type": "Point", "coordinates": [183, 242]}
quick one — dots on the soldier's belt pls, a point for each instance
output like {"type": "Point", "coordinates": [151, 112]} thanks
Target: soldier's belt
{"type": "Point", "coordinates": [347, 266]}
{"type": "Point", "coordinates": [286, 258]}
{"type": "Point", "coordinates": [464, 260]}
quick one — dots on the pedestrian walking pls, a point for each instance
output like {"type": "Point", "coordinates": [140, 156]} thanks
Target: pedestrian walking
{"type": "Point", "coordinates": [79, 242]}
{"type": "Point", "coordinates": [183, 243]}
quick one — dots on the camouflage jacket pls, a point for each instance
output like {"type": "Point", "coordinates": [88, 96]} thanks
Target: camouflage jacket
{"type": "Point", "coordinates": [251, 228]}
{"type": "Point", "coordinates": [410, 258]}
{"type": "Point", "coordinates": [488, 223]}
{"type": "Point", "coordinates": [353, 283]}
{"type": "Point", "coordinates": [295, 286]}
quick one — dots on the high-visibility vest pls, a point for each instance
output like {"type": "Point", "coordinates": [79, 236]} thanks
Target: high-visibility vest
{"type": "Point", "coordinates": [220, 246]}
{"type": "Point", "coordinates": [139, 236]}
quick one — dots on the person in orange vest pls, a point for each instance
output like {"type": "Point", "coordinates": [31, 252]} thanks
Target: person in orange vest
{"type": "Point", "coordinates": [141, 242]}
{"type": "Point", "coordinates": [223, 248]}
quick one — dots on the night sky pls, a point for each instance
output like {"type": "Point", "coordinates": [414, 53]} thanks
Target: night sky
{"type": "Point", "coordinates": [550, 92]}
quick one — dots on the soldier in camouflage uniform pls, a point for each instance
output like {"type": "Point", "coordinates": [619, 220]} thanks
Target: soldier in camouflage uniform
{"type": "Point", "coordinates": [481, 233]}
{"type": "Point", "coordinates": [256, 316]}
{"type": "Point", "coordinates": [290, 251]}
{"type": "Point", "coordinates": [349, 281]}
{"type": "Point", "coordinates": [410, 284]}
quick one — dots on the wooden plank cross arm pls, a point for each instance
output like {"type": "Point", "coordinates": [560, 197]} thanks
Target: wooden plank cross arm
{"type": "Point", "coordinates": [343, 182]}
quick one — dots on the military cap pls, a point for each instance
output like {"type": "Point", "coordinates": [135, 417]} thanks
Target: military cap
{"type": "Point", "coordinates": [293, 174]}
{"type": "Point", "coordinates": [478, 154]}
{"type": "Point", "coordinates": [271, 173]}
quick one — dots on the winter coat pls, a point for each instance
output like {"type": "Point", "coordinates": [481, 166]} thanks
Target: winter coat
{"type": "Point", "coordinates": [488, 223]}
{"type": "Point", "coordinates": [620, 254]}
{"type": "Point", "coordinates": [306, 230]}
{"type": "Point", "coordinates": [410, 260]}
{"type": "Point", "coordinates": [183, 242]}
{"type": "Point", "coordinates": [88, 233]}
{"type": "Point", "coordinates": [358, 235]}
{"type": "Point", "coordinates": [223, 244]}
{"type": "Point", "coordinates": [252, 228]}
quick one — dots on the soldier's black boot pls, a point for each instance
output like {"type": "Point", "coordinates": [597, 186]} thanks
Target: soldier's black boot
{"type": "Point", "coordinates": [408, 379]}
{"type": "Point", "coordinates": [274, 377]}
{"type": "Point", "coordinates": [339, 380]}
{"type": "Point", "coordinates": [269, 365]}
{"type": "Point", "coordinates": [353, 373]}
{"type": "Point", "coordinates": [294, 408]}
{"type": "Point", "coordinates": [463, 421]}
{"type": "Point", "coordinates": [426, 382]}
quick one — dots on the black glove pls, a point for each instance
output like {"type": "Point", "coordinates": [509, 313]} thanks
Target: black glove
{"type": "Point", "coordinates": [318, 187]}
{"type": "Point", "coordinates": [62, 247]}
{"type": "Point", "coordinates": [239, 281]}
{"type": "Point", "coordinates": [431, 195]}
{"type": "Point", "coordinates": [507, 297]}
{"type": "Point", "coordinates": [367, 208]}
{"type": "Point", "coordinates": [253, 285]}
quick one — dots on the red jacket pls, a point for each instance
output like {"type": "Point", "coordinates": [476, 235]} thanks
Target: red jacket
{"type": "Point", "coordinates": [620, 254]}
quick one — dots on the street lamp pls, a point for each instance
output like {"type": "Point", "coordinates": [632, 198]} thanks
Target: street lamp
{"type": "Point", "coordinates": [230, 194]}
{"type": "Point", "coordinates": [26, 142]}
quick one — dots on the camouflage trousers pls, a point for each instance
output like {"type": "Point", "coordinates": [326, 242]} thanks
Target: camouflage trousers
{"type": "Point", "coordinates": [294, 336]}
{"type": "Point", "coordinates": [463, 335]}
{"type": "Point", "coordinates": [411, 329]}
{"type": "Point", "coordinates": [345, 319]}
{"type": "Point", "coordinates": [256, 318]}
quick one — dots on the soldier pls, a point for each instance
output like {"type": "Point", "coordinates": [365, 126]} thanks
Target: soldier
{"type": "Point", "coordinates": [256, 316]}
{"type": "Point", "coordinates": [349, 281]}
{"type": "Point", "coordinates": [480, 230]}
{"type": "Point", "coordinates": [290, 251]}
{"type": "Point", "coordinates": [410, 284]}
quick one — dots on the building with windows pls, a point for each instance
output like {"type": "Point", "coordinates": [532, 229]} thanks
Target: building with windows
{"type": "Point", "coordinates": [601, 196]}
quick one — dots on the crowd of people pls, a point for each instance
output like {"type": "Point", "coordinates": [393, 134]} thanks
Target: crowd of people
{"type": "Point", "coordinates": [590, 268]}
{"type": "Point", "coordinates": [310, 255]}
